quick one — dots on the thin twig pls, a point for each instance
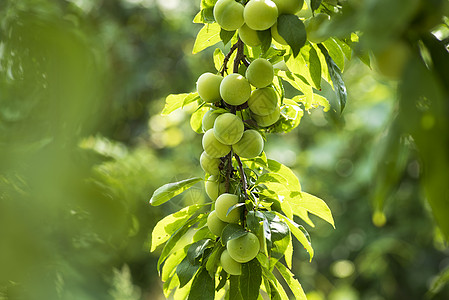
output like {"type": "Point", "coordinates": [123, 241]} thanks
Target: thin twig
{"type": "Point", "coordinates": [227, 58]}
{"type": "Point", "coordinates": [242, 175]}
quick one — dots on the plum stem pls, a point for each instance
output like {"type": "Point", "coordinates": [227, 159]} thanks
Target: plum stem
{"type": "Point", "coordinates": [242, 175]}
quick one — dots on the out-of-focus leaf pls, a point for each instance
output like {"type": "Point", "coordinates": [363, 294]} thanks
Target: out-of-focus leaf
{"type": "Point", "coordinates": [196, 120]}
{"type": "Point", "coordinates": [335, 53]}
{"type": "Point", "coordinates": [170, 190]}
{"type": "Point", "coordinates": [208, 36]}
{"type": "Point", "coordinates": [175, 101]}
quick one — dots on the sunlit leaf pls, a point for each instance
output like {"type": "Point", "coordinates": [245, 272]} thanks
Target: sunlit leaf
{"type": "Point", "coordinates": [292, 283]}
{"type": "Point", "coordinates": [292, 29]}
{"type": "Point", "coordinates": [203, 286]}
{"type": "Point", "coordinates": [250, 280]}
{"type": "Point", "coordinates": [170, 190]}
{"type": "Point", "coordinates": [317, 207]}
{"type": "Point", "coordinates": [208, 36]}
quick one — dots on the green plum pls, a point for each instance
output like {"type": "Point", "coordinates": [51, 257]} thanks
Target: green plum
{"type": "Point", "coordinates": [244, 248]}
{"type": "Point", "coordinates": [213, 147]}
{"type": "Point", "coordinates": [228, 128]}
{"type": "Point", "coordinates": [288, 6]}
{"type": "Point", "coordinates": [313, 25]}
{"type": "Point", "coordinates": [222, 205]}
{"type": "Point", "coordinates": [208, 87]}
{"type": "Point", "coordinates": [265, 121]}
{"type": "Point", "coordinates": [260, 73]}
{"type": "Point", "coordinates": [276, 36]}
{"type": "Point", "coordinates": [209, 164]}
{"type": "Point", "coordinates": [263, 101]}
{"type": "Point", "coordinates": [229, 14]}
{"type": "Point", "coordinates": [305, 11]}
{"type": "Point", "coordinates": [235, 89]}
{"type": "Point", "coordinates": [209, 119]}
{"type": "Point", "coordinates": [260, 14]}
{"type": "Point", "coordinates": [214, 224]}
{"type": "Point", "coordinates": [249, 36]}
{"type": "Point", "coordinates": [250, 145]}
{"type": "Point", "coordinates": [214, 187]}
{"type": "Point", "coordinates": [229, 264]}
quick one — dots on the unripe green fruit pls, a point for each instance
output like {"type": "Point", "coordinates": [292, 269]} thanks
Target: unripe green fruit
{"type": "Point", "coordinates": [230, 265]}
{"type": "Point", "coordinates": [209, 119]}
{"type": "Point", "coordinates": [244, 248]}
{"type": "Point", "coordinates": [250, 145]}
{"type": "Point", "coordinates": [260, 73]}
{"type": "Point", "coordinates": [214, 224]}
{"type": "Point", "coordinates": [313, 25]}
{"type": "Point", "coordinates": [260, 14]}
{"type": "Point", "coordinates": [249, 36]}
{"type": "Point", "coordinates": [208, 87]}
{"type": "Point", "coordinates": [213, 147]}
{"type": "Point", "coordinates": [305, 11]}
{"type": "Point", "coordinates": [214, 187]}
{"type": "Point", "coordinates": [265, 121]}
{"type": "Point", "coordinates": [229, 14]}
{"type": "Point", "coordinates": [288, 6]}
{"type": "Point", "coordinates": [222, 205]}
{"type": "Point", "coordinates": [228, 128]}
{"type": "Point", "coordinates": [235, 89]}
{"type": "Point", "coordinates": [276, 36]}
{"type": "Point", "coordinates": [391, 61]}
{"type": "Point", "coordinates": [209, 164]}
{"type": "Point", "coordinates": [263, 101]}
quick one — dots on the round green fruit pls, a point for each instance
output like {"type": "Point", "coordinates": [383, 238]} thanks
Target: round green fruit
{"type": "Point", "coordinates": [228, 14]}
{"type": "Point", "coordinates": [260, 14]}
{"type": "Point", "coordinates": [250, 145]}
{"type": "Point", "coordinates": [288, 6]}
{"type": "Point", "coordinates": [244, 248]}
{"type": "Point", "coordinates": [208, 87]}
{"type": "Point", "coordinates": [235, 89]}
{"type": "Point", "coordinates": [222, 205]}
{"type": "Point", "coordinates": [265, 121]}
{"type": "Point", "coordinates": [214, 224]}
{"type": "Point", "coordinates": [230, 265]}
{"type": "Point", "coordinates": [260, 73]}
{"type": "Point", "coordinates": [228, 128]}
{"type": "Point", "coordinates": [209, 164]}
{"type": "Point", "coordinates": [248, 36]}
{"type": "Point", "coordinates": [214, 187]}
{"type": "Point", "coordinates": [313, 25]}
{"type": "Point", "coordinates": [263, 101]}
{"type": "Point", "coordinates": [213, 147]}
{"type": "Point", "coordinates": [391, 60]}
{"type": "Point", "coordinates": [209, 119]}
{"type": "Point", "coordinates": [305, 12]}
{"type": "Point", "coordinates": [276, 36]}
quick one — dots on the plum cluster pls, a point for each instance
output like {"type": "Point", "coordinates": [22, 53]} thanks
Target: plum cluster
{"type": "Point", "coordinates": [234, 100]}
{"type": "Point", "coordinates": [260, 15]}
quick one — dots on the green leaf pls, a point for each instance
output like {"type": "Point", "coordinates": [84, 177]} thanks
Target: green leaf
{"type": "Point", "coordinates": [232, 231]}
{"type": "Point", "coordinates": [169, 268]}
{"type": "Point", "coordinates": [196, 250]}
{"type": "Point", "coordinates": [174, 238]}
{"type": "Point", "coordinates": [226, 36]}
{"type": "Point", "coordinates": [289, 253]}
{"type": "Point", "coordinates": [291, 115]}
{"type": "Point", "coordinates": [250, 280]}
{"type": "Point", "coordinates": [297, 231]}
{"type": "Point", "coordinates": [168, 225]}
{"type": "Point", "coordinates": [265, 39]}
{"type": "Point", "coordinates": [335, 52]}
{"type": "Point", "coordinates": [173, 102]}
{"type": "Point", "coordinates": [170, 190]}
{"type": "Point", "coordinates": [208, 36]}
{"type": "Point", "coordinates": [294, 285]}
{"type": "Point", "coordinates": [196, 120]}
{"type": "Point", "coordinates": [218, 59]}
{"type": "Point", "coordinates": [315, 4]}
{"type": "Point", "coordinates": [317, 207]}
{"type": "Point", "coordinates": [276, 285]}
{"type": "Point", "coordinates": [301, 84]}
{"type": "Point", "coordinates": [312, 60]}
{"type": "Point", "coordinates": [185, 271]}
{"type": "Point", "coordinates": [234, 288]}
{"type": "Point", "coordinates": [213, 259]}
{"type": "Point", "coordinates": [203, 286]}
{"type": "Point", "coordinates": [336, 76]}
{"type": "Point", "coordinates": [292, 29]}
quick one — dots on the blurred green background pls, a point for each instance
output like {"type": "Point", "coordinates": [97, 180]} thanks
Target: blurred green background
{"type": "Point", "coordinates": [82, 148]}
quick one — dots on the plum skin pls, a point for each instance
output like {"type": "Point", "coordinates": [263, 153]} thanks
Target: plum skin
{"type": "Point", "coordinates": [213, 147]}
{"type": "Point", "coordinates": [214, 224]}
{"type": "Point", "coordinates": [235, 89]}
{"type": "Point", "coordinates": [228, 14]}
{"type": "Point", "coordinates": [260, 73]}
{"type": "Point", "coordinates": [228, 128]}
{"type": "Point", "coordinates": [263, 101]}
{"type": "Point", "coordinates": [208, 87]}
{"type": "Point", "coordinates": [244, 248]}
{"type": "Point", "coordinates": [209, 164]}
{"type": "Point", "coordinates": [222, 205]}
{"type": "Point", "coordinates": [250, 145]}
{"type": "Point", "coordinates": [260, 14]}
{"type": "Point", "coordinates": [229, 264]}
